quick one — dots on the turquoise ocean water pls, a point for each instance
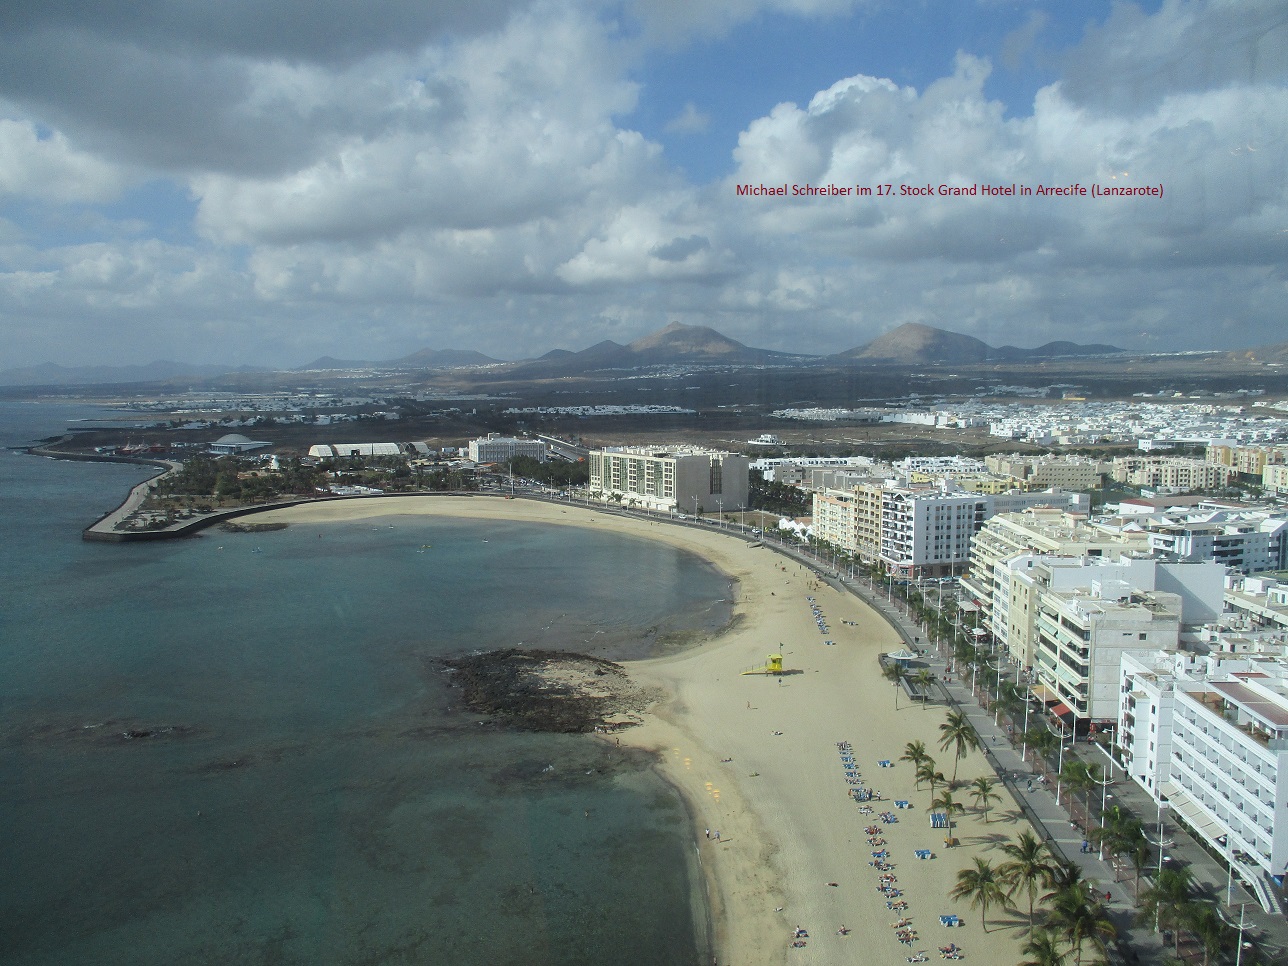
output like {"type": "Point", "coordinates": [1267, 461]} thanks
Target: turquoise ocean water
{"type": "Point", "coordinates": [304, 790]}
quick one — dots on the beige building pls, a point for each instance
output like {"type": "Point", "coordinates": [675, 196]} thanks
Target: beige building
{"type": "Point", "coordinates": [1171, 473]}
{"type": "Point", "coordinates": [1041, 472]}
{"type": "Point", "coordinates": [687, 479]}
{"type": "Point", "coordinates": [1274, 477]}
{"type": "Point", "coordinates": [1040, 530]}
{"type": "Point", "coordinates": [1246, 460]}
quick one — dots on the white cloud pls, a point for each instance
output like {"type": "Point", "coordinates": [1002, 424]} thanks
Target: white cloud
{"type": "Point", "coordinates": [689, 121]}
{"type": "Point", "coordinates": [49, 168]}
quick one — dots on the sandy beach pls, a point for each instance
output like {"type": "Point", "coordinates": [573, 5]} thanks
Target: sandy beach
{"type": "Point", "coordinates": [756, 757]}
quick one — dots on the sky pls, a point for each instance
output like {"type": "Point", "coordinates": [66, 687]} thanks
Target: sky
{"type": "Point", "coordinates": [267, 181]}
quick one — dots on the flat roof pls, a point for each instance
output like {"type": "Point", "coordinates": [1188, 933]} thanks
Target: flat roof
{"type": "Point", "coordinates": [1272, 712]}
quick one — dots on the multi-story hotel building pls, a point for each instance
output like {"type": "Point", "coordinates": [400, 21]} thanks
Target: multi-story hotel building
{"type": "Point", "coordinates": [1209, 737]}
{"type": "Point", "coordinates": [681, 478]}
{"type": "Point", "coordinates": [1043, 530]}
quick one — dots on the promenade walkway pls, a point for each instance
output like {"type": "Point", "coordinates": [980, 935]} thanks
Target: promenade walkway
{"type": "Point", "coordinates": [1139, 943]}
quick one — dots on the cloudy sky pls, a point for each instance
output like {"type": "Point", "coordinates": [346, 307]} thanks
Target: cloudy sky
{"type": "Point", "coordinates": [266, 181]}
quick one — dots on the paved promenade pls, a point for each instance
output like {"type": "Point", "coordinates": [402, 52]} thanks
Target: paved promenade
{"type": "Point", "coordinates": [1038, 800]}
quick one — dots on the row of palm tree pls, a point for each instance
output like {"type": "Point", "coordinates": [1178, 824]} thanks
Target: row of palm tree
{"type": "Point", "coordinates": [981, 789]}
{"type": "Point", "coordinates": [1171, 903]}
{"type": "Point", "coordinates": [894, 672]}
{"type": "Point", "coordinates": [1073, 918]}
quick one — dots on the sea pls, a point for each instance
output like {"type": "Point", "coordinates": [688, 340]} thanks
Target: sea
{"type": "Point", "coordinates": [243, 747]}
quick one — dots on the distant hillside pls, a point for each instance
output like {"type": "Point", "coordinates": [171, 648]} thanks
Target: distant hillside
{"type": "Point", "coordinates": [677, 344]}
{"type": "Point", "coordinates": [424, 359]}
{"type": "Point", "coordinates": [1265, 353]}
{"type": "Point", "coordinates": [915, 344]}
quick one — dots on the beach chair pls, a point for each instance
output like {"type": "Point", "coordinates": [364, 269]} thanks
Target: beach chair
{"type": "Point", "coordinates": [901, 804]}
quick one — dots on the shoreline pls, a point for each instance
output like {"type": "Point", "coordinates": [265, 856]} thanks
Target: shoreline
{"type": "Point", "coordinates": [755, 757]}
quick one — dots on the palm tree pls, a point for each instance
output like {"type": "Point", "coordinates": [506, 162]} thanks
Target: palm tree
{"type": "Point", "coordinates": [1209, 928]}
{"type": "Point", "coordinates": [947, 804]}
{"type": "Point", "coordinates": [1075, 777]}
{"type": "Point", "coordinates": [1041, 741]}
{"type": "Point", "coordinates": [925, 678]}
{"type": "Point", "coordinates": [1121, 834]}
{"type": "Point", "coordinates": [1043, 949]}
{"type": "Point", "coordinates": [981, 887]}
{"type": "Point", "coordinates": [982, 792]}
{"type": "Point", "coordinates": [1166, 903]}
{"type": "Point", "coordinates": [1081, 920]}
{"type": "Point", "coordinates": [893, 672]}
{"type": "Point", "coordinates": [1062, 877]}
{"type": "Point", "coordinates": [914, 753]}
{"type": "Point", "coordinates": [1028, 862]}
{"type": "Point", "coordinates": [926, 773]}
{"type": "Point", "coordinates": [957, 733]}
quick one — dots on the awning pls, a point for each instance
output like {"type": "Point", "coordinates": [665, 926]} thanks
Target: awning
{"type": "Point", "coordinates": [1043, 693]}
{"type": "Point", "coordinates": [1062, 711]}
{"type": "Point", "coordinates": [1194, 814]}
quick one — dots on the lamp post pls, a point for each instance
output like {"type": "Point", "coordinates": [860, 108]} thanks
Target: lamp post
{"type": "Point", "coordinates": [1059, 768]}
{"type": "Point", "coordinates": [1104, 796]}
{"type": "Point", "coordinates": [720, 513]}
{"type": "Point", "coordinates": [1238, 956]}
{"type": "Point", "coordinates": [1024, 747]}
{"type": "Point", "coordinates": [1161, 843]}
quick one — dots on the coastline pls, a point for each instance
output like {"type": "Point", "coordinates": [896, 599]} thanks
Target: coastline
{"type": "Point", "coordinates": [755, 758]}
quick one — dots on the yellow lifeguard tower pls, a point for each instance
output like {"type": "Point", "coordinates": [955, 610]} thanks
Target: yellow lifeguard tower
{"type": "Point", "coordinates": [773, 665]}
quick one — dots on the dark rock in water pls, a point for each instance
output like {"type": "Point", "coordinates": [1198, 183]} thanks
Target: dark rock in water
{"type": "Point", "coordinates": [549, 690]}
{"type": "Point", "coordinates": [232, 527]}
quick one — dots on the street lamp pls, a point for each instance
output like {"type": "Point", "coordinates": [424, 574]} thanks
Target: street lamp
{"type": "Point", "coordinates": [720, 513]}
{"type": "Point", "coordinates": [1161, 843]}
{"type": "Point", "coordinates": [1059, 768]}
{"type": "Point", "coordinates": [1104, 796]}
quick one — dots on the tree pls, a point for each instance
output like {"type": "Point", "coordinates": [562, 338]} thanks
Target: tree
{"type": "Point", "coordinates": [1076, 777]}
{"type": "Point", "coordinates": [1081, 920]}
{"type": "Point", "coordinates": [893, 672]}
{"type": "Point", "coordinates": [925, 678]}
{"type": "Point", "coordinates": [926, 773]}
{"type": "Point", "coordinates": [1121, 834]}
{"type": "Point", "coordinates": [982, 791]}
{"type": "Point", "coordinates": [914, 753]}
{"type": "Point", "coordinates": [1028, 863]}
{"type": "Point", "coordinates": [1063, 876]}
{"type": "Point", "coordinates": [956, 732]}
{"type": "Point", "coordinates": [1166, 903]}
{"type": "Point", "coordinates": [981, 887]}
{"type": "Point", "coordinates": [1043, 949]}
{"type": "Point", "coordinates": [1210, 929]}
{"type": "Point", "coordinates": [1041, 741]}
{"type": "Point", "coordinates": [947, 804]}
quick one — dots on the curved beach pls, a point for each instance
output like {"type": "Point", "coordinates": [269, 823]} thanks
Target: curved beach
{"type": "Point", "coordinates": [756, 758]}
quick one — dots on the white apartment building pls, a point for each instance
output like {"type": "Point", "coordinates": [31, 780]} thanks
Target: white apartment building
{"type": "Point", "coordinates": [687, 479]}
{"type": "Point", "coordinates": [494, 448]}
{"type": "Point", "coordinates": [1259, 601]}
{"type": "Point", "coordinates": [1210, 738]}
{"type": "Point", "coordinates": [1248, 541]}
{"type": "Point", "coordinates": [926, 530]}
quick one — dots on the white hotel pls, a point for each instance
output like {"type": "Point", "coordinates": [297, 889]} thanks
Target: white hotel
{"type": "Point", "coordinates": [1209, 737]}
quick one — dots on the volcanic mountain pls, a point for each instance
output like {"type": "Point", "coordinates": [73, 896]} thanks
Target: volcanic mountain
{"type": "Point", "coordinates": [915, 344]}
{"type": "Point", "coordinates": [677, 344]}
